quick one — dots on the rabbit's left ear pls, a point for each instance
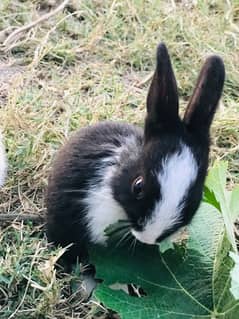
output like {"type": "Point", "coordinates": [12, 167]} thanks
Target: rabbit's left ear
{"type": "Point", "coordinates": [203, 103]}
{"type": "Point", "coordinates": [162, 100]}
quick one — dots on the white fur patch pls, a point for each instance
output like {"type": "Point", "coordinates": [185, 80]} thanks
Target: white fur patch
{"type": "Point", "coordinates": [102, 208]}
{"type": "Point", "coordinates": [3, 162]}
{"type": "Point", "coordinates": [178, 172]}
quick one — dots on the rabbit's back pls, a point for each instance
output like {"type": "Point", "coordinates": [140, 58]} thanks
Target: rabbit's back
{"type": "Point", "coordinates": [79, 199]}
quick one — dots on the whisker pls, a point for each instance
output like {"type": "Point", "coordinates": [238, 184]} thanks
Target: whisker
{"type": "Point", "coordinates": [123, 238]}
{"type": "Point", "coordinates": [119, 227]}
{"type": "Point", "coordinates": [80, 191]}
{"type": "Point", "coordinates": [117, 236]}
{"type": "Point", "coordinates": [128, 238]}
{"type": "Point", "coordinates": [131, 244]}
{"type": "Point", "coordinates": [117, 230]}
{"type": "Point", "coordinates": [134, 244]}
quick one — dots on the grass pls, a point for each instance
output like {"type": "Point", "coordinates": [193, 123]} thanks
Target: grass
{"type": "Point", "coordinates": [84, 65]}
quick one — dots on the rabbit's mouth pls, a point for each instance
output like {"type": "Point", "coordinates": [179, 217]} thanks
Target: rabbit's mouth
{"type": "Point", "coordinates": [140, 236]}
{"type": "Point", "coordinates": [155, 231]}
{"type": "Point", "coordinates": [149, 240]}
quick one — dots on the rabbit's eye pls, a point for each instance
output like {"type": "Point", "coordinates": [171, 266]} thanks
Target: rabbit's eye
{"type": "Point", "coordinates": [138, 187]}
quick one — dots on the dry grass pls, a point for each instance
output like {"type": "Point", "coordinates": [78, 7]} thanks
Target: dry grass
{"type": "Point", "coordinates": [87, 64]}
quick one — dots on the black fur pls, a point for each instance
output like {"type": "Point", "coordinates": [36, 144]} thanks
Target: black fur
{"type": "Point", "coordinates": [76, 166]}
{"type": "Point", "coordinates": [90, 151]}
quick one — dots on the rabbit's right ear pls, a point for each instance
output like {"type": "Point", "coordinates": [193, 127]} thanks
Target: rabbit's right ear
{"type": "Point", "coordinates": [162, 100]}
{"type": "Point", "coordinates": [203, 103]}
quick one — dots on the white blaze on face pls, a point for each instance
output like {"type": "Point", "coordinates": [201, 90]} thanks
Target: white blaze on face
{"type": "Point", "coordinates": [178, 172]}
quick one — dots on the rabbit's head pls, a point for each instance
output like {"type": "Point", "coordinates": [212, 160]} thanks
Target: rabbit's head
{"type": "Point", "coordinates": [162, 191]}
{"type": "Point", "coordinates": [3, 162]}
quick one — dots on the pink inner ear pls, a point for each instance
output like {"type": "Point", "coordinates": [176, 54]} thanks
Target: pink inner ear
{"type": "Point", "coordinates": [193, 102]}
{"type": "Point", "coordinates": [207, 92]}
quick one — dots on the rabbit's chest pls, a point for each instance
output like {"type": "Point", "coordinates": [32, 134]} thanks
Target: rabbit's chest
{"type": "Point", "coordinates": [102, 211]}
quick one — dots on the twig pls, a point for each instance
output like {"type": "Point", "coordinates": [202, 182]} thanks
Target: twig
{"type": "Point", "coordinates": [8, 218]}
{"type": "Point", "coordinates": [11, 38]}
{"type": "Point", "coordinates": [40, 48]}
{"type": "Point", "coordinates": [145, 80]}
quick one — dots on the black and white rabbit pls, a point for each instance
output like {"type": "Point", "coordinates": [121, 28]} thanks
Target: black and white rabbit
{"type": "Point", "coordinates": [153, 177]}
{"type": "Point", "coordinates": [3, 162]}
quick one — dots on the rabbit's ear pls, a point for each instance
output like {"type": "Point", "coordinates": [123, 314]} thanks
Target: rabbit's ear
{"type": "Point", "coordinates": [162, 100]}
{"type": "Point", "coordinates": [203, 103]}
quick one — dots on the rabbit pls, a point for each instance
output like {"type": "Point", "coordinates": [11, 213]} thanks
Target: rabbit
{"type": "Point", "coordinates": [3, 162]}
{"type": "Point", "coordinates": [152, 177]}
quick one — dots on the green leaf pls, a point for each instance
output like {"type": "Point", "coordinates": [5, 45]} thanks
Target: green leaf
{"type": "Point", "coordinates": [192, 282]}
{"type": "Point", "coordinates": [165, 245]}
{"type": "Point", "coordinates": [178, 238]}
{"type": "Point", "coordinates": [209, 197]}
{"type": "Point", "coordinates": [217, 195]}
{"type": "Point", "coordinates": [235, 276]}
{"type": "Point", "coordinates": [216, 179]}
{"type": "Point", "coordinates": [234, 203]}
{"type": "Point", "coordinates": [216, 184]}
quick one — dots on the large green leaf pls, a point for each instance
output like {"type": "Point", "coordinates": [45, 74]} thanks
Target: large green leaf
{"type": "Point", "coordinates": [188, 282]}
{"type": "Point", "coordinates": [216, 185]}
{"type": "Point", "coordinates": [228, 204]}
{"type": "Point", "coordinates": [216, 194]}
{"type": "Point", "coordinates": [235, 276]}
{"type": "Point", "coordinates": [234, 207]}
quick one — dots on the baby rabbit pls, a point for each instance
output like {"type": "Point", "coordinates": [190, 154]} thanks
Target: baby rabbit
{"type": "Point", "coordinates": [153, 177]}
{"type": "Point", "coordinates": [3, 162]}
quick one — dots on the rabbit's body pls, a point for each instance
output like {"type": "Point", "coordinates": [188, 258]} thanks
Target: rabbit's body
{"type": "Point", "coordinates": [3, 162]}
{"type": "Point", "coordinates": [153, 177]}
{"type": "Point", "coordinates": [83, 173]}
